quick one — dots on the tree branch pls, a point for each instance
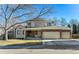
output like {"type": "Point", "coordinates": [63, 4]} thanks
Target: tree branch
{"type": "Point", "coordinates": [6, 9]}
{"type": "Point", "coordinates": [22, 15]}
{"type": "Point", "coordinates": [3, 12]}
{"type": "Point", "coordinates": [13, 11]}
{"type": "Point", "coordinates": [41, 13]}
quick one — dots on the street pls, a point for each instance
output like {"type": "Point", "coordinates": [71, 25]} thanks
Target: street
{"type": "Point", "coordinates": [48, 47]}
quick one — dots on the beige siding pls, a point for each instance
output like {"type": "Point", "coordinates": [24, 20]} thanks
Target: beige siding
{"type": "Point", "coordinates": [51, 35]}
{"type": "Point", "coordinates": [65, 34]}
{"type": "Point", "coordinates": [37, 24]}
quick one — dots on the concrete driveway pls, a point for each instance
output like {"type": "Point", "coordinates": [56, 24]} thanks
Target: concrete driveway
{"type": "Point", "coordinates": [61, 42]}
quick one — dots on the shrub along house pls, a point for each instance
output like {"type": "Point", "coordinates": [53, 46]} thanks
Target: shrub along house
{"type": "Point", "coordinates": [39, 29]}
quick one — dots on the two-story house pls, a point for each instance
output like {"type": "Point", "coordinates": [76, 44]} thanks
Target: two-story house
{"type": "Point", "coordinates": [38, 28]}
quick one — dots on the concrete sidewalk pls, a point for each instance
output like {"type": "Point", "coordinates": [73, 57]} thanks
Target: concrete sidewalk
{"type": "Point", "coordinates": [37, 51]}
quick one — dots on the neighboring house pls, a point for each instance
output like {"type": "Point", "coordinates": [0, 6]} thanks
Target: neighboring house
{"type": "Point", "coordinates": [39, 29]}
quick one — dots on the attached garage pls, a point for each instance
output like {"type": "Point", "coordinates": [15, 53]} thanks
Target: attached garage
{"type": "Point", "coordinates": [54, 32]}
{"type": "Point", "coordinates": [57, 34]}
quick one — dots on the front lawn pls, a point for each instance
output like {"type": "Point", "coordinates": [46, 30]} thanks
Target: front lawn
{"type": "Point", "coordinates": [12, 42]}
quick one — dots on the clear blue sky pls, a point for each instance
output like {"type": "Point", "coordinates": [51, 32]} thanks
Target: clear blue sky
{"type": "Point", "coordinates": [67, 11]}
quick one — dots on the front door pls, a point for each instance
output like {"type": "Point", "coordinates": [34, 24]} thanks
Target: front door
{"type": "Point", "coordinates": [19, 33]}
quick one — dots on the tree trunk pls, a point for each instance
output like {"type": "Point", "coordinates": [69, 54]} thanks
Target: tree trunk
{"type": "Point", "coordinates": [6, 35]}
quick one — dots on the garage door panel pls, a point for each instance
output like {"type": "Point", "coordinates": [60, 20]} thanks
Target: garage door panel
{"type": "Point", "coordinates": [65, 34]}
{"type": "Point", "coordinates": [51, 34]}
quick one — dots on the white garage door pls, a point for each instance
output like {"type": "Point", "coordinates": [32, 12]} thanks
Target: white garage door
{"type": "Point", "coordinates": [65, 34]}
{"type": "Point", "coordinates": [51, 35]}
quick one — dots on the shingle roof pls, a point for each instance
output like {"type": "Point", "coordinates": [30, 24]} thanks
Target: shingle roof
{"type": "Point", "coordinates": [48, 28]}
{"type": "Point", "coordinates": [39, 19]}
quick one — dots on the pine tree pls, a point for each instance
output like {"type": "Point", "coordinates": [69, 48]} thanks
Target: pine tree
{"type": "Point", "coordinates": [78, 28]}
{"type": "Point", "coordinates": [74, 29]}
{"type": "Point", "coordinates": [69, 26]}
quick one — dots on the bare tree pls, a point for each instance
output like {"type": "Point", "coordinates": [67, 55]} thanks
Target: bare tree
{"type": "Point", "coordinates": [63, 22]}
{"type": "Point", "coordinates": [11, 12]}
